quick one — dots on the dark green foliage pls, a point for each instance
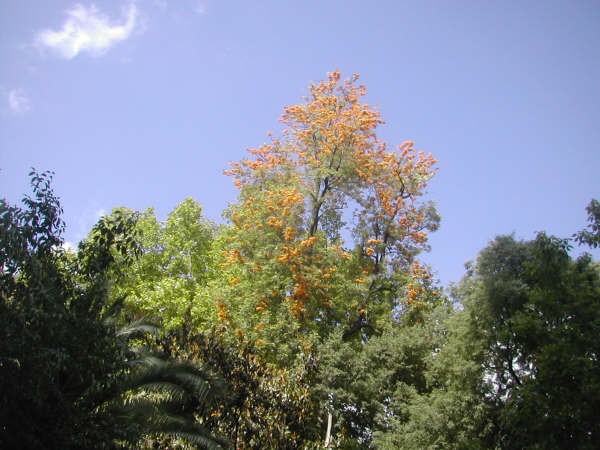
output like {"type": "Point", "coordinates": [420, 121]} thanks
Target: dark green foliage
{"type": "Point", "coordinates": [518, 367]}
{"type": "Point", "coordinates": [451, 413]}
{"type": "Point", "coordinates": [591, 236]}
{"type": "Point", "coordinates": [69, 378]}
{"type": "Point", "coordinates": [112, 244]}
{"type": "Point", "coordinates": [512, 365]}
{"type": "Point", "coordinates": [369, 385]}
{"type": "Point", "coordinates": [536, 313]}
{"type": "Point", "coordinates": [55, 351]}
{"type": "Point", "coordinates": [157, 399]}
{"type": "Point", "coordinates": [266, 407]}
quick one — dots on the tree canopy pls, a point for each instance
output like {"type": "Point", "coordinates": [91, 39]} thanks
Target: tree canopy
{"type": "Point", "coordinates": [307, 320]}
{"type": "Point", "coordinates": [327, 226]}
{"type": "Point", "coordinates": [69, 376]}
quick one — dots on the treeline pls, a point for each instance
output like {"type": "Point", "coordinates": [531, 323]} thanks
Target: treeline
{"type": "Point", "coordinates": [304, 322]}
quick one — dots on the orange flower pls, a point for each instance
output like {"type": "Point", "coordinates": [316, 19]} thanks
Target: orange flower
{"type": "Point", "coordinates": [274, 222]}
{"type": "Point", "coordinates": [262, 305]}
{"type": "Point", "coordinates": [288, 234]}
{"type": "Point", "coordinates": [221, 311]}
{"type": "Point", "coordinates": [309, 242]}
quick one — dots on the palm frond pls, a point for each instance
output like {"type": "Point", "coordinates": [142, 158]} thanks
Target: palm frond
{"type": "Point", "coordinates": [154, 388]}
{"type": "Point", "coordinates": [138, 327]}
{"type": "Point", "coordinates": [196, 434]}
{"type": "Point", "coordinates": [200, 440]}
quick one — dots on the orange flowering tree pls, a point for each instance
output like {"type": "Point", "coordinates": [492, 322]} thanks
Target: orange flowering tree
{"type": "Point", "coordinates": [327, 225]}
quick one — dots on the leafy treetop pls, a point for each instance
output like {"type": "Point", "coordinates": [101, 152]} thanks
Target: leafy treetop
{"type": "Point", "coordinates": [285, 254]}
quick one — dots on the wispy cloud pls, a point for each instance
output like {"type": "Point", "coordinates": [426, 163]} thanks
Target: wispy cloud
{"type": "Point", "coordinates": [86, 29]}
{"type": "Point", "coordinates": [18, 101]}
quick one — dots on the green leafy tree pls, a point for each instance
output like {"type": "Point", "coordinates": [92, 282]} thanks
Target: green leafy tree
{"type": "Point", "coordinates": [373, 388]}
{"type": "Point", "coordinates": [171, 278]}
{"type": "Point", "coordinates": [591, 235]}
{"type": "Point", "coordinates": [289, 279]}
{"type": "Point", "coordinates": [67, 379]}
{"type": "Point", "coordinates": [451, 411]}
{"type": "Point", "coordinates": [54, 350]}
{"type": "Point", "coordinates": [536, 314]}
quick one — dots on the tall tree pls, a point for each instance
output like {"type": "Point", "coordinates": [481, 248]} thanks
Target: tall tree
{"type": "Point", "coordinates": [536, 314]}
{"type": "Point", "coordinates": [289, 274]}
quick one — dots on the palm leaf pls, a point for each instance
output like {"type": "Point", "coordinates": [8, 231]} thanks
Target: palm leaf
{"type": "Point", "coordinates": [138, 327]}
{"type": "Point", "coordinates": [154, 387]}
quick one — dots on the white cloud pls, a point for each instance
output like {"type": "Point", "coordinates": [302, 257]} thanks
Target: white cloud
{"type": "Point", "coordinates": [86, 29]}
{"type": "Point", "coordinates": [18, 102]}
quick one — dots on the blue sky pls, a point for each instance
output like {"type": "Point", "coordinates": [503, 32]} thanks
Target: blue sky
{"type": "Point", "coordinates": [144, 103]}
